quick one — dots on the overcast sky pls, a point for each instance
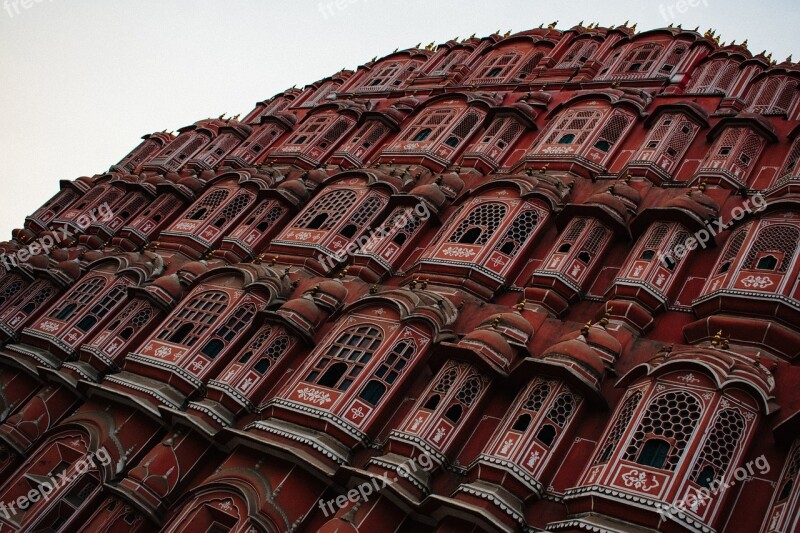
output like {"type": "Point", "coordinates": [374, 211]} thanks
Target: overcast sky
{"type": "Point", "coordinates": [82, 80]}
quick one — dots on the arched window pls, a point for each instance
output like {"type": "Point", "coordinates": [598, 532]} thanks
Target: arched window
{"type": "Point", "coordinates": [497, 67]}
{"type": "Point", "coordinates": [208, 204]}
{"type": "Point", "coordinates": [578, 54]}
{"type": "Point", "coordinates": [232, 209]}
{"type": "Point", "coordinates": [621, 423]}
{"type": "Point", "coordinates": [732, 248]}
{"type": "Point", "coordinates": [499, 138]}
{"type": "Point", "coordinates": [326, 211]}
{"type": "Point", "coordinates": [389, 370]}
{"type": "Point", "coordinates": [430, 125]}
{"type": "Point", "coordinates": [518, 233]}
{"type": "Point", "coordinates": [792, 167]}
{"type": "Point", "coordinates": [774, 248]}
{"type": "Point", "coordinates": [715, 77]}
{"type": "Point", "coordinates": [466, 394]}
{"type": "Point", "coordinates": [10, 288]}
{"type": "Point", "coordinates": [231, 329]}
{"type": "Point", "coordinates": [654, 453]}
{"type": "Point", "coordinates": [573, 126]}
{"type": "Point", "coordinates": [719, 448]}
{"type": "Point", "coordinates": [78, 298]}
{"type": "Point", "coordinates": [670, 418]}
{"type": "Point", "coordinates": [479, 225]}
{"type": "Point", "coordinates": [341, 363]}
{"type": "Point", "coordinates": [773, 95]}
{"type": "Point", "coordinates": [441, 388]}
{"type": "Point", "coordinates": [639, 59]}
{"type": "Point", "coordinates": [191, 321]}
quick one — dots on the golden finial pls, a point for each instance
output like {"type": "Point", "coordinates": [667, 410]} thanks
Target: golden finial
{"type": "Point", "coordinates": [733, 42]}
{"type": "Point", "coordinates": [373, 289]}
{"type": "Point", "coordinates": [585, 329]}
{"type": "Point", "coordinates": [590, 26]}
{"type": "Point", "coordinates": [789, 59]}
{"type": "Point", "coordinates": [580, 24]}
{"type": "Point", "coordinates": [717, 338]}
{"type": "Point", "coordinates": [497, 32]}
{"type": "Point", "coordinates": [395, 50]}
{"type": "Point", "coordinates": [744, 44]}
{"type": "Point", "coordinates": [552, 25]}
{"type": "Point", "coordinates": [314, 290]}
{"type": "Point", "coordinates": [373, 59]}
{"type": "Point", "coordinates": [541, 26]}
{"type": "Point", "coordinates": [702, 186]}
{"type": "Point", "coordinates": [413, 284]}
{"type": "Point", "coordinates": [628, 177]}
{"type": "Point", "coordinates": [496, 322]}
{"type": "Point", "coordinates": [506, 34]}
{"type": "Point", "coordinates": [725, 343]}
{"type": "Point", "coordinates": [343, 273]}
{"type": "Point", "coordinates": [625, 24]}
{"type": "Point", "coordinates": [543, 169]}
{"type": "Point", "coordinates": [679, 27]}
{"type": "Point", "coordinates": [633, 28]}
{"type": "Point", "coordinates": [424, 284]}
{"type": "Point", "coordinates": [670, 25]}
{"type": "Point", "coordinates": [430, 46]}
{"type": "Point", "coordinates": [521, 305]}
{"type": "Point", "coordinates": [221, 117]}
{"type": "Point", "coordinates": [697, 28]}
{"type": "Point", "coordinates": [274, 260]}
{"type": "Point", "coordinates": [472, 36]}
{"type": "Point", "coordinates": [457, 38]}
{"type": "Point", "coordinates": [604, 321]}
{"type": "Point", "coordinates": [236, 117]}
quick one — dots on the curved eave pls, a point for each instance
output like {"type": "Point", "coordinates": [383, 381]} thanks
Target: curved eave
{"type": "Point", "coordinates": [755, 122]}
{"type": "Point", "coordinates": [690, 109]}
{"type": "Point", "coordinates": [674, 214]}
{"type": "Point", "coordinates": [601, 213]}
{"type": "Point", "coordinates": [764, 397]}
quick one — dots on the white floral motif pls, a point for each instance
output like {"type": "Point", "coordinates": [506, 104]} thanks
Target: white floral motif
{"type": "Point", "coordinates": [48, 326]}
{"type": "Point", "coordinates": [689, 378]}
{"type": "Point", "coordinates": [313, 395]}
{"type": "Point", "coordinates": [507, 446]}
{"type": "Point", "coordinates": [759, 282]}
{"type": "Point", "coordinates": [417, 422]}
{"type": "Point", "coordinates": [438, 435]}
{"type": "Point", "coordinates": [558, 150]}
{"type": "Point", "coordinates": [456, 251]}
{"type": "Point", "coordinates": [303, 235]}
{"type": "Point", "coordinates": [639, 480]}
{"type": "Point", "coordinates": [163, 351]}
{"type": "Point", "coordinates": [534, 458]}
{"type": "Point", "coordinates": [357, 412]}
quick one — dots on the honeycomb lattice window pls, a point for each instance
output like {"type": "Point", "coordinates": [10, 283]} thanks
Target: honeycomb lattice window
{"type": "Point", "coordinates": [574, 230]}
{"type": "Point", "coordinates": [779, 238]}
{"type": "Point", "coordinates": [256, 343]}
{"type": "Point", "coordinates": [720, 446]}
{"type": "Point", "coordinates": [208, 204]}
{"type": "Point", "coordinates": [480, 224]}
{"type": "Point", "coordinates": [621, 422]}
{"type": "Point", "coordinates": [141, 318]}
{"type": "Point", "coordinates": [11, 289]}
{"type": "Point", "coordinates": [328, 210]}
{"type": "Point", "coordinates": [38, 299]}
{"type": "Point", "coordinates": [537, 397]}
{"type": "Point", "coordinates": [233, 209]}
{"type": "Point", "coordinates": [446, 381]}
{"type": "Point", "coordinates": [562, 409]}
{"type": "Point", "coordinates": [464, 128]}
{"type": "Point", "coordinates": [612, 131]}
{"type": "Point", "coordinates": [672, 416]}
{"type": "Point", "coordinates": [469, 390]}
{"type": "Point", "coordinates": [518, 233]}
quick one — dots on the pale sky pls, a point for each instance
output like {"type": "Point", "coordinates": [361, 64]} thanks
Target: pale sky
{"type": "Point", "coordinates": [82, 80]}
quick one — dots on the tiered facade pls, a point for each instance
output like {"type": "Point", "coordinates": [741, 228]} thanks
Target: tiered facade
{"type": "Point", "coordinates": [535, 282]}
